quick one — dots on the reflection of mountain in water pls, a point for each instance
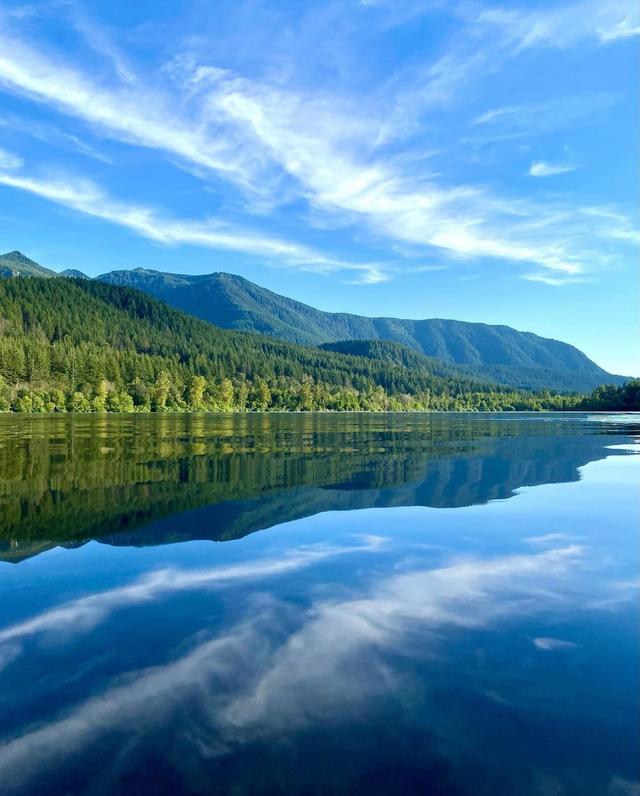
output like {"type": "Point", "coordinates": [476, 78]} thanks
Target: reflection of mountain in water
{"type": "Point", "coordinates": [152, 480]}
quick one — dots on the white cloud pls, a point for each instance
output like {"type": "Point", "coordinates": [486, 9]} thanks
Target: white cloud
{"type": "Point", "coordinates": [548, 538]}
{"type": "Point", "coordinates": [542, 168]}
{"type": "Point", "coordinates": [147, 698]}
{"type": "Point", "coordinates": [8, 160]}
{"type": "Point", "coordinates": [624, 29]}
{"type": "Point", "coordinates": [53, 135]}
{"type": "Point", "coordinates": [467, 594]}
{"type": "Point", "coordinates": [463, 220]}
{"type": "Point", "coordinates": [320, 150]}
{"type": "Point", "coordinates": [493, 36]}
{"type": "Point", "coordinates": [611, 224]}
{"type": "Point", "coordinates": [564, 26]}
{"type": "Point", "coordinates": [86, 197]}
{"type": "Point", "coordinates": [528, 120]}
{"type": "Point", "coordinates": [8, 654]}
{"type": "Point", "coordinates": [136, 115]}
{"type": "Point", "coordinates": [554, 281]}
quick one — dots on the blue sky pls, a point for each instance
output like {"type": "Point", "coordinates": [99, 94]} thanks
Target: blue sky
{"type": "Point", "coordinates": [467, 160]}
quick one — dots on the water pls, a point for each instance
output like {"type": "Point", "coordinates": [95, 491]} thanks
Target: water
{"type": "Point", "coordinates": [309, 604]}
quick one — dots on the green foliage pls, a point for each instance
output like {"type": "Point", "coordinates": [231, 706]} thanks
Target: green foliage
{"type": "Point", "coordinates": [84, 346]}
{"type": "Point", "coordinates": [609, 398]}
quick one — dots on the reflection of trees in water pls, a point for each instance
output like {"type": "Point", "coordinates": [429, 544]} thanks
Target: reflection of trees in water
{"type": "Point", "coordinates": [68, 479]}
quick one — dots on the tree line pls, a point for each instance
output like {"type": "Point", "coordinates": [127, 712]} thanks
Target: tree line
{"type": "Point", "coordinates": [83, 346]}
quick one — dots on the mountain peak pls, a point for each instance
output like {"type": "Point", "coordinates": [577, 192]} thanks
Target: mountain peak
{"type": "Point", "coordinates": [16, 263]}
{"type": "Point", "coordinates": [74, 273]}
{"type": "Point", "coordinates": [18, 256]}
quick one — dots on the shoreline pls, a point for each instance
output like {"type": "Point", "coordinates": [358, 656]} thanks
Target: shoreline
{"type": "Point", "coordinates": [322, 412]}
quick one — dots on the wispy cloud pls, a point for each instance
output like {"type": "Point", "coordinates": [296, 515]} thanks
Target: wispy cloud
{"type": "Point", "coordinates": [612, 224]}
{"type": "Point", "coordinates": [86, 197]}
{"type": "Point", "coordinates": [52, 135]}
{"type": "Point", "coordinates": [564, 26]}
{"type": "Point", "coordinates": [542, 168]}
{"type": "Point", "coordinates": [554, 281]}
{"type": "Point", "coordinates": [559, 25]}
{"type": "Point", "coordinates": [136, 115]}
{"type": "Point", "coordinates": [548, 538]}
{"type": "Point", "coordinates": [494, 36]}
{"type": "Point", "coordinates": [528, 120]}
{"type": "Point", "coordinates": [277, 142]}
{"type": "Point", "coordinates": [9, 161]}
{"type": "Point", "coordinates": [463, 220]}
{"type": "Point", "coordinates": [9, 653]}
{"type": "Point", "coordinates": [624, 29]}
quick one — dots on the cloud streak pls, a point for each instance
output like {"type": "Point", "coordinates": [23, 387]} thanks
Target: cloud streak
{"type": "Point", "coordinates": [127, 114]}
{"type": "Point", "coordinates": [542, 168]}
{"type": "Point", "coordinates": [564, 26]}
{"type": "Point", "coordinates": [86, 197]}
{"type": "Point", "coordinates": [463, 220]}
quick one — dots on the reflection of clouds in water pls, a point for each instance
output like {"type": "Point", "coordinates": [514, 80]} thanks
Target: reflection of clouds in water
{"type": "Point", "coordinates": [623, 787]}
{"type": "Point", "coordinates": [86, 612]}
{"type": "Point", "coordinates": [548, 644]}
{"type": "Point", "coordinates": [246, 685]}
{"type": "Point", "coordinates": [619, 592]}
{"type": "Point", "coordinates": [134, 706]}
{"type": "Point", "coordinates": [466, 594]}
{"type": "Point", "coordinates": [8, 654]}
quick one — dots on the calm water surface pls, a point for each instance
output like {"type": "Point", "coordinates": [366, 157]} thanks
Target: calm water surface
{"type": "Point", "coordinates": [313, 604]}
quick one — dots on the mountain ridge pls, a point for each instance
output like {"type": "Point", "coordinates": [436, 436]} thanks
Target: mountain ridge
{"type": "Point", "coordinates": [491, 351]}
{"type": "Point", "coordinates": [495, 352]}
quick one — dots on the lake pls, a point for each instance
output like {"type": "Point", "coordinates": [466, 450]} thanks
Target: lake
{"type": "Point", "coordinates": [311, 604]}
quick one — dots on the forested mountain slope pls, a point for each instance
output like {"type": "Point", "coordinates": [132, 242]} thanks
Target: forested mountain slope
{"type": "Point", "coordinates": [497, 353]}
{"type": "Point", "coordinates": [500, 353]}
{"type": "Point", "coordinates": [81, 345]}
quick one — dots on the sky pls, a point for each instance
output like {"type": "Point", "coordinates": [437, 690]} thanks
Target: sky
{"type": "Point", "coordinates": [410, 158]}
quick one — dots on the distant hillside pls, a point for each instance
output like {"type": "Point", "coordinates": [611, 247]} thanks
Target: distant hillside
{"type": "Point", "coordinates": [499, 353]}
{"type": "Point", "coordinates": [17, 264]}
{"type": "Point", "coordinates": [73, 273]}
